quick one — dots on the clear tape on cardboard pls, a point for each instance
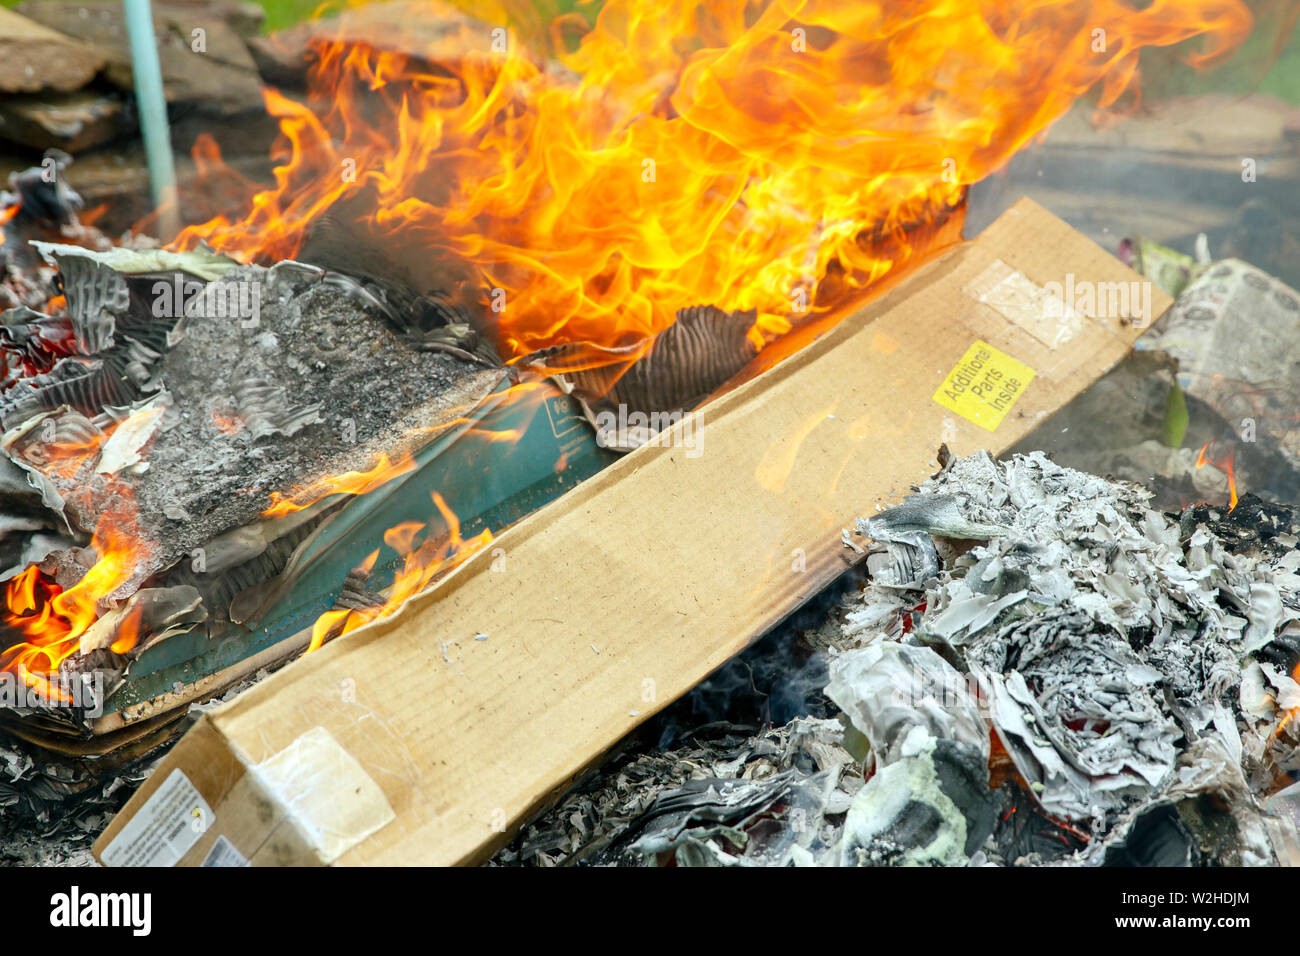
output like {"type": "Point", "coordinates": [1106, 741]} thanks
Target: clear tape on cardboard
{"type": "Point", "coordinates": [1037, 309]}
{"type": "Point", "coordinates": [324, 791]}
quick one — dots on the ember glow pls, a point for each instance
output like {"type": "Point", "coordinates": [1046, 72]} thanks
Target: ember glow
{"type": "Point", "coordinates": [67, 458]}
{"type": "Point", "coordinates": [227, 424]}
{"type": "Point", "coordinates": [775, 156]}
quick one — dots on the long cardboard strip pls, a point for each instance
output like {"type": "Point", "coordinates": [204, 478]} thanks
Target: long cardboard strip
{"type": "Point", "coordinates": [482, 698]}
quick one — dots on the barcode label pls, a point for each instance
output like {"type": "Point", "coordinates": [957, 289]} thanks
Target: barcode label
{"type": "Point", "coordinates": [223, 853]}
{"type": "Point", "coordinates": [163, 830]}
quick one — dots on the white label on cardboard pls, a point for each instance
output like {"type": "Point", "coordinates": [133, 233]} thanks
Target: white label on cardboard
{"type": "Point", "coordinates": [223, 853]}
{"type": "Point", "coordinates": [163, 830]}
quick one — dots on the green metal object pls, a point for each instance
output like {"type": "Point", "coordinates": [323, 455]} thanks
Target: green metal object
{"type": "Point", "coordinates": [486, 484]}
{"type": "Point", "coordinates": [151, 105]}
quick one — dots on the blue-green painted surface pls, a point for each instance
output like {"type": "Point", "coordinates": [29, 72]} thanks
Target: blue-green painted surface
{"type": "Point", "coordinates": [488, 484]}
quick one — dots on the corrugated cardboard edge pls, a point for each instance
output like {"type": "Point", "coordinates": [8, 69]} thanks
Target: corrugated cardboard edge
{"type": "Point", "coordinates": [467, 738]}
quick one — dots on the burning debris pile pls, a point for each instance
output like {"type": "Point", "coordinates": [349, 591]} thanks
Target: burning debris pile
{"type": "Point", "coordinates": [624, 220]}
{"type": "Point", "coordinates": [175, 427]}
{"type": "Point", "coordinates": [1039, 669]}
{"type": "Point", "coordinates": [286, 407]}
{"type": "Point", "coordinates": [183, 434]}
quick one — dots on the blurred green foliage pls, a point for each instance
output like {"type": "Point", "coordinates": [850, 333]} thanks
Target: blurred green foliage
{"type": "Point", "coordinates": [285, 13]}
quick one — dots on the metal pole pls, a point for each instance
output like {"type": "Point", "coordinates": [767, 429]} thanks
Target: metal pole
{"type": "Point", "coordinates": [152, 107]}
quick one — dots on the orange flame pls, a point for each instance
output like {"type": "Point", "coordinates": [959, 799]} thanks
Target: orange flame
{"type": "Point", "coordinates": [1290, 714]}
{"type": "Point", "coordinates": [731, 153]}
{"type": "Point", "coordinates": [7, 214]}
{"type": "Point", "coordinates": [348, 483]}
{"type": "Point", "coordinates": [49, 621]}
{"type": "Point", "coordinates": [420, 566]}
{"type": "Point", "coordinates": [65, 459]}
{"type": "Point", "coordinates": [1289, 717]}
{"type": "Point", "coordinates": [128, 630]}
{"type": "Point", "coordinates": [525, 396]}
{"type": "Point", "coordinates": [1225, 464]}
{"type": "Point", "coordinates": [774, 155]}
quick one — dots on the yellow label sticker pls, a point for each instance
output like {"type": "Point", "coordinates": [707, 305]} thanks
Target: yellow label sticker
{"type": "Point", "coordinates": [984, 385]}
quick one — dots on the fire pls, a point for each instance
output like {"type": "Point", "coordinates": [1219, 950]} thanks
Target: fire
{"type": "Point", "coordinates": [1290, 714]}
{"type": "Point", "coordinates": [88, 217]}
{"type": "Point", "coordinates": [782, 156]}
{"type": "Point", "coordinates": [6, 214]}
{"type": "Point", "coordinates": [1225, 464]}
{"type": "Point", "coordinates": [420, 566]}
{"type": "Point", "coordinates": [1288, 718]}
{"type": "Point", "coordinates": [386, 468]}
{"type": "Point", "coordinates": [348, 483]}
{"type": "Point", "coordinates": [67, 458]}
{"type": "Point", "coordinates": [48, 620]}
{"type": "Point", "coordinates": [775, 155]}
